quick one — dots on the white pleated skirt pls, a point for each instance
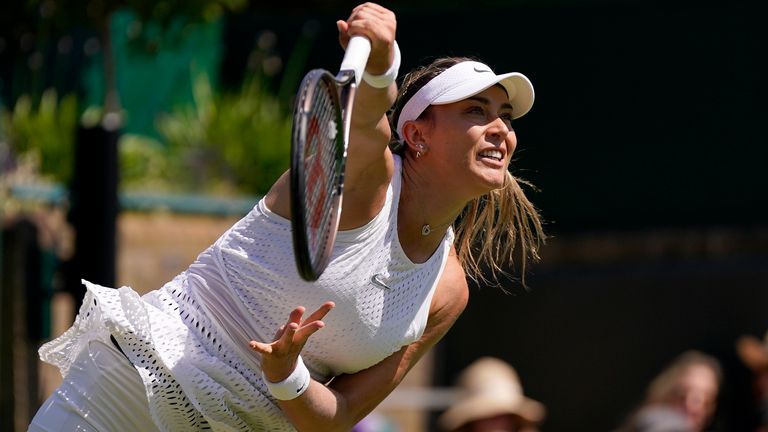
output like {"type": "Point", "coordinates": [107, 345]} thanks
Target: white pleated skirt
{"type": "Point", "coordinates": [102, 392]}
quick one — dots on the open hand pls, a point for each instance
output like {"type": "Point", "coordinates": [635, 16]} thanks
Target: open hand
{"type": "Point", "coordinates": [278, 358]}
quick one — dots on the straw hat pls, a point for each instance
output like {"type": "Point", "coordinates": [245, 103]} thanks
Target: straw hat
{"type": "Point", "coordinates": [753, 351]}
{"type": "Point", "coordinates": [490, 388]}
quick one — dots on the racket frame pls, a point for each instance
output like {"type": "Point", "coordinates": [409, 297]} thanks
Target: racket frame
{"type": "Point", "coordinates": [342, 91]}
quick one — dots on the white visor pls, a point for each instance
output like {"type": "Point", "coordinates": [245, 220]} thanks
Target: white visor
{"type": "Point", "coordinates": [463, 80]}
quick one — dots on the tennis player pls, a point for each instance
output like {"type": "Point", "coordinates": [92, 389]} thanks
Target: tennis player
{"type": "Point", "coordinates": [239, 341]}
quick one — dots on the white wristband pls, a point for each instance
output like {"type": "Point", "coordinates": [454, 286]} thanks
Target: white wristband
{"type": "Point", "coordinates": [388, 77]}
{"type": "Point", "coordinates": [293, 386]}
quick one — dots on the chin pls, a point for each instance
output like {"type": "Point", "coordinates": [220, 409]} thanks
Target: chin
{"type": "Point", "coordinates": [489, 186]}
{"type": "Point", "coordinates": [485, 181]}
{"type": "Point", "coordinates": [497, 182]}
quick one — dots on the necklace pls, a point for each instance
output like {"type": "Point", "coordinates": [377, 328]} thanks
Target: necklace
{"type": "Point", "coordinates": [426, 229]}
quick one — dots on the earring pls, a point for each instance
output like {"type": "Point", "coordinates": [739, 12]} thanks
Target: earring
{"type": "Point", "coordinates": [421, 149]}
{"type": "Point", "coordinates": [418, 154]}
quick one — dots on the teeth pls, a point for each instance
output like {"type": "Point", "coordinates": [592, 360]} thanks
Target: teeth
{"type": "Point", "coordinates": [496, 154]}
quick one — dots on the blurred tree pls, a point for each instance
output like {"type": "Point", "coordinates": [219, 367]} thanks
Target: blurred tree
{"type": "Point", "coordinates": [98, 14]}
{"type": "Point", "coordinates": [228, 142]}
{"type": "Point", "coordinates": [93, 192]}
{"type": "Point", "coordinates": [43, 134]}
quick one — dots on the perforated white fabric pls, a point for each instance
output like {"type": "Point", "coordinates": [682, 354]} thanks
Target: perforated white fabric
{"type": "Point", "coordinates": [189, 339]}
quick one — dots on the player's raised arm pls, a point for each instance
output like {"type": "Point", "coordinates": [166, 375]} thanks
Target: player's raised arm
{"type": "Point", "coordinates": [369, 165]}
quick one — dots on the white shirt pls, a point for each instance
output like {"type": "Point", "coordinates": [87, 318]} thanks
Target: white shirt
{"type": "Point", "coordinates": [189, 339]}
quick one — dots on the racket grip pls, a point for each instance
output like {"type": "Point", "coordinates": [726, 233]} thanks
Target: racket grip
{"type": "Point", "coordinates": [356, 56]}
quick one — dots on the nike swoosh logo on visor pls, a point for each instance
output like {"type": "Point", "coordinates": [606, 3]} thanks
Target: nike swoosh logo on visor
{"type": "Point", "coordinates": [481, 70]}
{"type": "Point", "coordinates": [376, 280]}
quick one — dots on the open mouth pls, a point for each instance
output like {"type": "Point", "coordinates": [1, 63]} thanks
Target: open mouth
{"type": "Point", "coordinates": [496, 155]}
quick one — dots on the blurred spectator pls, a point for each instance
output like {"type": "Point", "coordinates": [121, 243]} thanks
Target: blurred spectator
{"type": "Point", "coordinates": [754, 353]}
{"type": "Point", "coordinates": [492, 400]}
{"type": "Point", "coordinates": [682, 398]}
{"type": "Point", "coordinates": [376, 422]}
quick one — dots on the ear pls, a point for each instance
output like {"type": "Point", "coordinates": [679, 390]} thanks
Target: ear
{"type": "Point", "coordinates": [414, 136]}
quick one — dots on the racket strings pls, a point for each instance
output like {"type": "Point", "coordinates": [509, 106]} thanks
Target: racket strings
{"type": "Point", "coordinates": [321, 155]}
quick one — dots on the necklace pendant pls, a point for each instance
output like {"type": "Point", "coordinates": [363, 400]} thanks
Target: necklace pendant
{"type": "Point", "coordinates": [426, 230]}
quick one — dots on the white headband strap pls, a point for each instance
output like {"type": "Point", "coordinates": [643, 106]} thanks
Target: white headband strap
{"type": "Point", "coordinates": [461, 81]}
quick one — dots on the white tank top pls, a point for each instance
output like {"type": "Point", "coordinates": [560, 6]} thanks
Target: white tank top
{"type": "Point", "coordinates": [189, 339]}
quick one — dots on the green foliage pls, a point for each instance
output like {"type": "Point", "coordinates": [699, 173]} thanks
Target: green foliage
{"type": "Point", "coordinates": [226, 143]}
{"type": "Point", "coordinates": [144, 164]}
{"type": "Point", "coordinates": [43, 133]}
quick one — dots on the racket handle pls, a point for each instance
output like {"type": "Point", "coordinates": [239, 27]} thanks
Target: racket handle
{"type": "Point", "coordinates": [356, 56]}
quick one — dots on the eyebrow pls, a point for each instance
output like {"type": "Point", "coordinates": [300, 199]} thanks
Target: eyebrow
{"type": "Point", "coordinates": [487, 101]}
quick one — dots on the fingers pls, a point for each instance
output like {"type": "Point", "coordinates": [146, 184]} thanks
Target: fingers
{"type": "Point", "coordinates": [309, 326]}
{"type": "Point", "coordinates": [376, 23]}
{"type": "Point", "coordinates": [373, 9]}
{"type": "Point", "coordinates": [343, 36]}
{"type": "Point", "coordinates": [296, 314]}
{"type": "Point", "coordinates": [292, 336]}
{"type": "Point", "coordinates": [321, 312]}
{"type": "Point", "coordinates": [289, 329]}
{"type": "Point", "coordinates": [261, 348]}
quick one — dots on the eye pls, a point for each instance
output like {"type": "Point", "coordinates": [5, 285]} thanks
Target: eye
{"type": "Point", "coordinates": [507, 119]}
{"type": "Point", "coordinates": [476, 109]}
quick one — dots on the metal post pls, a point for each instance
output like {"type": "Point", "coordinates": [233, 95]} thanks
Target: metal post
{"type": "Point", "coordinates": [6, 344]}
{"type": "Point", "coordinates": [94, 210]}
{"type": "Point", "coordinates": [6, 335]}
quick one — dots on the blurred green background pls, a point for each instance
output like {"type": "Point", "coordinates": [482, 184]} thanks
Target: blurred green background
{"type": "Point", "coordinates": [180, 131]}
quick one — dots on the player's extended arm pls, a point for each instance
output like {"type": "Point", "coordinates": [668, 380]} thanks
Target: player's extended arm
{"type": "Point", "coordinates": [349, 398]}
{"type": "Point", "coordinates": [369, 164]}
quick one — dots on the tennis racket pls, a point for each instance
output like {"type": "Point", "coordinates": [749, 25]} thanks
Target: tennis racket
{"type": "Point", "coordinates": [319, 139]}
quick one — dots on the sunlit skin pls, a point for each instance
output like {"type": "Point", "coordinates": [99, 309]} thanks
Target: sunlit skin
{"type": "Point", "coordinates": [456, 135]}
{"type": "Point", "coordinates": [370, 166]}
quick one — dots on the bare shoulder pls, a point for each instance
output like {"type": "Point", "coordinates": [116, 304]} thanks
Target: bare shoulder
{"type": "Point", "coordinates": [451, 295]}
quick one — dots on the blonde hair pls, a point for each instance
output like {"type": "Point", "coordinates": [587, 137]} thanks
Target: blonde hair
{"type": "Point", "coordinates": [490, 227]}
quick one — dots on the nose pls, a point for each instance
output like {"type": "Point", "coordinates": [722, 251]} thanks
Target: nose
{"type": "Point", "coordinates": [498, 133]}
{"type": "Point", "coordinates": [498, 128]}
